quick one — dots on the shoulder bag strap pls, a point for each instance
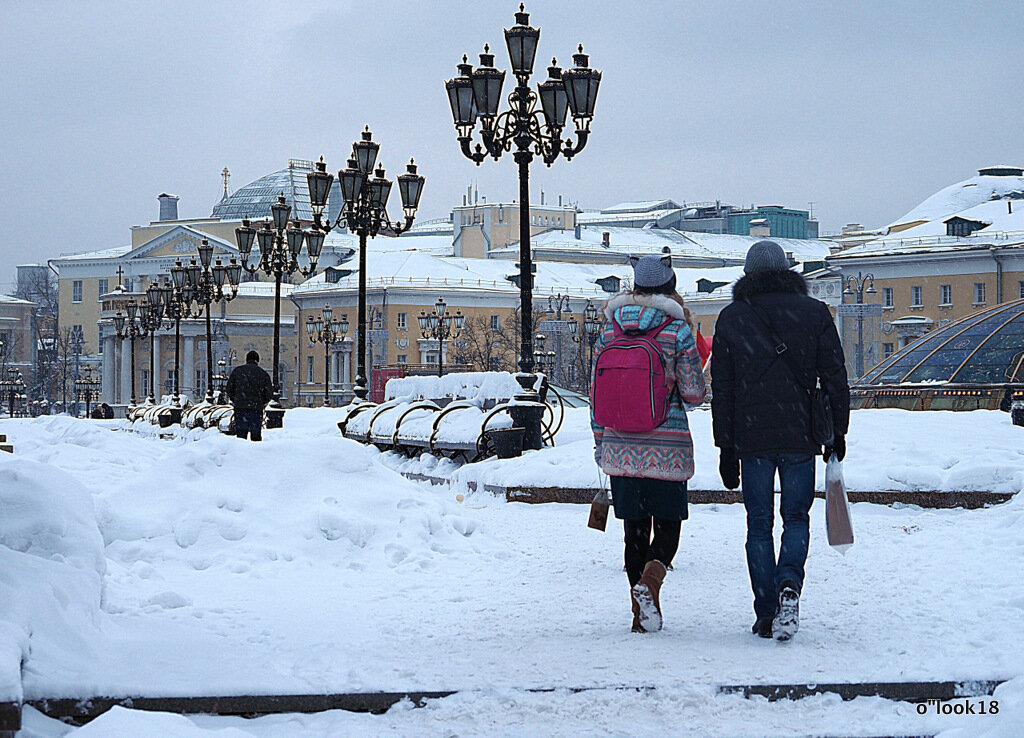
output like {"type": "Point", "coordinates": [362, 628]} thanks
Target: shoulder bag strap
{"type": "Point", "coordinates": [781, 348]}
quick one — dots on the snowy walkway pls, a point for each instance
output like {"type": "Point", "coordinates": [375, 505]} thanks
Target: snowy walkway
{"type": "Point", "coordinates": [304, 566]}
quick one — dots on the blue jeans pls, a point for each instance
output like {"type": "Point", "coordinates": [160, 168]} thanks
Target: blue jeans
{"type": "Point", "coordinates": [796, 473]}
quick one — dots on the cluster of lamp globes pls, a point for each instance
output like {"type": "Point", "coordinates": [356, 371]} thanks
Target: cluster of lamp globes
{"type": "Point", "coordinates": [325, 328]}
{"type": "Point", "coordinates": [439, 323]}
{"type": "Point", "coordinates": [476, 93]}
{"type": "Point", "coordinates": [202, 282]}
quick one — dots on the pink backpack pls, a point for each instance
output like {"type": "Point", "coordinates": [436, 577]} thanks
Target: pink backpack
{"type": "Point", "coordinates": [630, 389]}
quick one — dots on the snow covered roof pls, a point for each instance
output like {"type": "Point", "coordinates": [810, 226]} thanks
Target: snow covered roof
{"type": "Point", "coordinates": [728, 247]}
{"type": "Point", "coordinates": [263, 289]}
{"type": "Point", "coordinates": [964, 195]}
{"type": "Point", "coordinates": [642, 206]}
{"type": "Point", "coordinates": [11, 300]}
{"type": "Point", "coordinates": [100, 254]}
{"type": "Point", "coordinates": [624, 217]}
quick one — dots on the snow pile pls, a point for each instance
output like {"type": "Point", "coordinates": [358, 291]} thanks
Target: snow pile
{"type": "Point", "coordinates": [464, 385]}
{"type": "Point", "coordinates": [119, 722]}
{"type": "Point", "coordinates": [51, 568]}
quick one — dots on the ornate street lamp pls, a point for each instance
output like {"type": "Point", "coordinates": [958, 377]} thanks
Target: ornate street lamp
{"type": "Point", "coordinates": [77, 343]}
{"type": "Point", "coordinates": [854, 287]}
{"type": "Point", "coordinates": [220, 382]}
{"type": "Point", "coordinates": [130, 327]}
{"type": "Point", "coordinates": [327, 331]}
{"type": "Point", "coordinates": [151, 320]}
{"type": "Point", "coordinates": [592, 327]}
{"type": "Point", "coordinates": [441, 326]}
{"type": "Point", "coordinates": [280, 245]}
{"type": "Point", "coordinates": [87, 388]}
{"type": "Point", "coordinates": [208, 280]}
{"type": "Point", "coordinates": [13, 386]}
{"type": "Point", "coordinates": [545, 359]}
{"type": "Point", "coordinates": [363, 212]}
{"type": "Point", "coordinates": [177, 296]}
{"type": "Point", "coordinates": [475, 95]}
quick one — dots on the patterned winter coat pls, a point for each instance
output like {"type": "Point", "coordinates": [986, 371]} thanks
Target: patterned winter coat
{"type": "Point", "coordinates": [667, 451]}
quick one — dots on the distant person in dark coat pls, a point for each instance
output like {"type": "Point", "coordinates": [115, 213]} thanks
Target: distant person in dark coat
{"type": "Point", "coordinates": [249, 389]}
{"type": "Point", "coordinates": [761, 410]}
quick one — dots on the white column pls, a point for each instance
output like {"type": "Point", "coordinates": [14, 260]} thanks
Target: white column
{"type": "Point", "coordinates": [126, 371]}
{"type": "Point", "coordinates": [188, 369]}
{"type": "Point", "coordinates": [109, 347]}
{"type": "Point", "coordinates": [155, 381]}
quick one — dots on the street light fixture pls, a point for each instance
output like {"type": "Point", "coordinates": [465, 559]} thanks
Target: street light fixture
{"type": "Point", "coordinates": [363, 212]}
{"type": "Point", "coordinates": [77, 344]}
{"type": "Point", "coordinates": [13, 387]}
{"type": "Point", "coordinates": [475, 95]}
{"type": "Point", "coordinates": [208, 280]}
{"type": "Point", "coordinates": [87, 388]}
{"type": "Point", "coordinates": [592, 327]}
{"type": "Point", "coordinates": [220, 381]}
{"type": "Point", "coordinates": [855, 287]}
{"type": "Point", "coordinates": [441, 326]}
{"type": "Point", "coordinates": [324, 329]}
{"type": "Point", "coordinates": [130, 327]}
{"type": "Point", "coordinates": [280, 245]}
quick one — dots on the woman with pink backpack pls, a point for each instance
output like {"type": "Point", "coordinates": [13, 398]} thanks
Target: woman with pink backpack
{"type": "Point", "coordinates": [647, 370]}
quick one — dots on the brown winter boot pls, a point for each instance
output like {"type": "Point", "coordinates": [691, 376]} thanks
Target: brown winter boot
{"type": "Point", "coordinates": [637, 628]}
{"type": "Point", "coordinates": [647, 593]}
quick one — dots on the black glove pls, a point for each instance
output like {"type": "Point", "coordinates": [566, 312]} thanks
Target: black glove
{"type": "Point", "coordinates": [837, 447]}
{"type": "Point", "coordinates": [729, 468]}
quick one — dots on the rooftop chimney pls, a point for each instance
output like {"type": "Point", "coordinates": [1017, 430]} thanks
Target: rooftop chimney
{"type": "Point", "coordinates": [168, 206]}
{"type": "Point", "coordinates": [606, 239]}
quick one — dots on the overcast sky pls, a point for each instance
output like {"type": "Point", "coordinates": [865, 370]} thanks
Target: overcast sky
{"type": "Point", "coordinates": [863, 107]}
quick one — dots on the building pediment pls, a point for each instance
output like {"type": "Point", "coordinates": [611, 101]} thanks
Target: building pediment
{"type": "Point", "coordinates": [180, 242]}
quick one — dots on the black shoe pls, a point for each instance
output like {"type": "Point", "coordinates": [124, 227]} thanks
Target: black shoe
{"type": "Point", "coordinates": [787, 620]}
{"type": "Point", "coordinates": [762, 627]}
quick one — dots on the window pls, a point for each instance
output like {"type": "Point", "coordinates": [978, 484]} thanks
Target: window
{"type": "Point", "coordinates": [494, 363]}
{"type": "Point", "coordinates": [309, 369]}
{"type": "Point", "coordinates": [888, 350]}
{"type": "Point", "coordinates": [102, 288]}
{"type": "Point", "coordinates": [200, 385]}
{"type": "Point", "coordinates": [169, 382]}
{"type": "Point", "coordinates": [496, 319]}
{"type": "Point", "coordinates": [887, 297]}
{"type": "Point", "coordinates": [76, 291]}
{"type": "Point", "coordinates": [1020, 290]}
{"type": "Point", "coordinates": [403, 321]}
{"type": "Point", "coordinates": [403, 358]}
{"type": "Point", "coordinates": [145, 382]}
{"type": "Point", "coordinates": [916, 296]}
{"type": "Point", "coordinates": [946, 294]}
{"type": "Point", "coordinates": [979, 293]}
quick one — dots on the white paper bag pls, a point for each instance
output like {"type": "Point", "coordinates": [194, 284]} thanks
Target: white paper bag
{"type": "Point", "coordinates": [838, 521]}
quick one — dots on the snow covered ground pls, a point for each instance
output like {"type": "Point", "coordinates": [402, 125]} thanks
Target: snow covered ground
{"type": "Point", "coordinates": [305, 565]}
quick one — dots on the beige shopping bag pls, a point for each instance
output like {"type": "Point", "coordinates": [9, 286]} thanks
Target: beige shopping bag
{"type": "Point", "coordinates": [838, 522]}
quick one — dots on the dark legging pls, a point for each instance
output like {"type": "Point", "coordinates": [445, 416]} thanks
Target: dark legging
{"type": "Point", "coordinates": [640, 548]}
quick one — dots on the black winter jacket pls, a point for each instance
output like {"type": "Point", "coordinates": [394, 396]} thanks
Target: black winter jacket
{"type": "Point", "coordinates": [249, 387]}
{"type": "Point", "coordinates": [758, 406]}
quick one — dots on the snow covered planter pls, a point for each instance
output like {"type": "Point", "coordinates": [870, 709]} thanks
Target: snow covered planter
{"type": "Point", "coordinates": [458, 415]}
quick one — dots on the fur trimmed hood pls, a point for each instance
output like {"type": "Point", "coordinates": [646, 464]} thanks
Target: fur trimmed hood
{"type": "Point", "coordinates": [762, 283]}
{"type": "Point", "coordinates": [664, 303]}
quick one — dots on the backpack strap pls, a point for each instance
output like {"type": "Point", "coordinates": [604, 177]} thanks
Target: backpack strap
{"type": "Point", "coordinates": [781, 348]}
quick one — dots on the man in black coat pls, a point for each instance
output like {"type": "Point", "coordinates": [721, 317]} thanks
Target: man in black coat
{"type": "Point", "coordinates": [772, 345]}
{"type": "Point", "coordinates": [249, 389]}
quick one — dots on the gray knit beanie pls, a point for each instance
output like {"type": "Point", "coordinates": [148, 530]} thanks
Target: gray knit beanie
{"type": "Point", "coordinates": [765, 256]}
{"type": "Point", "coordinates": [652, 271]}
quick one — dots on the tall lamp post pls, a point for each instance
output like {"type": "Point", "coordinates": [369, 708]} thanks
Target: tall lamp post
{"type": "Point", "coordinates": [854, 287]}
{"type": "Point", "coordinates": [559, 304]}
{"type": "Point", "coordinates": [364, 212]}
{"type": "Point", "coordinates": [130, 328]}
{"type": "Point", "coordinates": [591, 332]}
{"type": "Point", "coordinates": [77, 343]}
{"type": "Point", "coordinates": [476, 94]}
{"type": "Point", "coordinates": [441, 326]}
{"type": "Point", "coordinates": [208, 279]}
{"type": "Point", "coordinates": [177, 298]}
{"type": "Point", "coordinates": [280, 244]}
{"type": "Point", "coordinates": [327, 331]}
{"type": "Point", "coordinates": [13, 387]}
{"type": "Point", "coordinates": [220, 381]}
{"type": "Point", "coordinates": [545, 359]}
{"type": "Point", "coordinates": [153, 318]}
{"type": "Point", "coordinates": [87, 388]}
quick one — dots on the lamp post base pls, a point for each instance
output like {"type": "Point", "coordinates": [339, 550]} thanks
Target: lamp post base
{"type": "Point", "coordinates": [274, 415]}
{"type": "Point", "coordinates": [528, 412]}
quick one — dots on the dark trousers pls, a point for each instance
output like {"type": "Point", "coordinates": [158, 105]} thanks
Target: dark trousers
{"type": "Point", "coordinates": [640, 548]}
{"type": "Point", "coordinates": [796, 474]}
{"type": "Point", "coordinates": [249, 423]}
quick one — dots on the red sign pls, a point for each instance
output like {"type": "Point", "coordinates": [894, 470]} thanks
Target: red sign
{"type": "Point", "coordinates": [378, 381]}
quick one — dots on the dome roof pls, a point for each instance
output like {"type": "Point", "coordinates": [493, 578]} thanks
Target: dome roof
{"type": "Point", "coordinates": [986, 347]}
{"type": "Point", "coordinates": [253, 201]}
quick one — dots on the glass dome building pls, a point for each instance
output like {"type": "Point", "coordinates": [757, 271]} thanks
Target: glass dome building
{"type": "Point", "coordinates": [253, 201]}
{"type": "Point", "coordinates": [974, 363]}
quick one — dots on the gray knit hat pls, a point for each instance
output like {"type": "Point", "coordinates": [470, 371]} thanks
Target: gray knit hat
{"type": "Point", "coordinates": [652, 271]}
{"type": "Point", "coordinates": [765, 256]}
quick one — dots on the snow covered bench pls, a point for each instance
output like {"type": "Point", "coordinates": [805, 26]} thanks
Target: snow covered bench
{"type": "Point", "coordinates": [457, 415]}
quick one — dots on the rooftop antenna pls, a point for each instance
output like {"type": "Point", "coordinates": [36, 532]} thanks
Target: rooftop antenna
{"type": "Point", "coordinates": [810, 209]}
{"type": "Point", "coordinates": [226, 176]}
